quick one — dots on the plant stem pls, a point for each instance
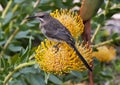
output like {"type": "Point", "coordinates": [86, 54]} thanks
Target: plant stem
{"type": "Point", "coordinates": [106, 7]}
{"type": "Point", "coordinates": [15, 8]}
{"type": "Point", "coordinates": [36, 4]}
{"type": "Point", "coordinates": [96, 31]}
{"type": "Point", "coordinates": [106, 42]}
{"type": "Point", "coordinates": [7, 78]}
{"type": "Point", "coordinates": [86, 38]}
{"type": "Point", "coordinates": [6, 9]}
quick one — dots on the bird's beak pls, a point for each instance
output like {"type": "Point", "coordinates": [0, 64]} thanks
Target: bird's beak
{"type": "Point", "coordinates": [35, 17]}
{"type": "Point", "coordinates": [31, 17]}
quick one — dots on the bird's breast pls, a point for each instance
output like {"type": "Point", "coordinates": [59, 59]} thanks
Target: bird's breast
{"type": "Point", "coordinates": [43, 31]}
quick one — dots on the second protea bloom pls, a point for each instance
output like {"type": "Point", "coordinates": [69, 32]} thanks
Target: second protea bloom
{"type": "Point", "coordinates": [105, 53]}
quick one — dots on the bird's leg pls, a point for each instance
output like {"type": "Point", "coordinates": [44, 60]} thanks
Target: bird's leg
{"type": "Point", "coordinates": [56, 46]}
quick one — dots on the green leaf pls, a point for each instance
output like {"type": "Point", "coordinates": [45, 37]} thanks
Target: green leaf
{"type": "Point", "coordinates": [15, 59]}
{"type": "Point", "coordinates": [117, 65]}
{"type": "Point", "coordinates": [54, 79]}
{"type": "Point", "coordinates": [1, 20]}
{"type": "Point", "coordinates": [35, 79]}
{"type": "Point", "coordinates": [44, 1]}
{"type": "Point", "coordinates": [14, 48]}
{"type": "Point", "coordinates": [47, 75]}
{"type": "Point", "coordinates": [30, 43]}
{"type": "Point", "coordinates": [77, 74]}
{"type": "Point", "coordinates": [30, 24]}
{"type": "Point", "coordinates": [114, 36]}
{"type": "Point", "coordinates": [26, 70]}
{"type": "Point", "coordinates": [33, 23]}
{"type": "Point", "coordinates": [24, 54]}
{"type": "Point", "coordinates": [17, 82]}
{"type": "Point", "coordinates": [18, 1]}
{"type": "Point", "coordinates": [112, 11]}
{"type": "Point", "coordinates": [2, 42]}
{"type": "Point", "coordinates": [8, 17]}
{"type": "Point", "coordinates": [22, 34]}
{"type": "Point", "coordinates": [100, 18]}
{"type": "Point", "coordinates": [106, 74]}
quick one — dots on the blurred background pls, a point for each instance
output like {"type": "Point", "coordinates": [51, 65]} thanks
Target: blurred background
{"type": "Point", "coordinates": [20, 38]}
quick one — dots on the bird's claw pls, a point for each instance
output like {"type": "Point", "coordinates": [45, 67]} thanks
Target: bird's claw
{"type": "Point", "coordinates": [56, 47]}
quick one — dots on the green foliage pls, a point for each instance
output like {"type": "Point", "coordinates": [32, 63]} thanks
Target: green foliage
{"type": "Point", "coordinates": [19, 39]}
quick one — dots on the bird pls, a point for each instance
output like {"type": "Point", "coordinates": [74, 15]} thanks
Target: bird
{"type": "Point", "coordinates": [54, 30]}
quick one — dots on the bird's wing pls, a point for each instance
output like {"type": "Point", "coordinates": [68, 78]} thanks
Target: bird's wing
{"type": "Point", "coordinates": [58, 31]}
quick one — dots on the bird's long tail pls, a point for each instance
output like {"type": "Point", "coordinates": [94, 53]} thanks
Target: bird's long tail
{"type": "Point", "coordinates": [81, 57]}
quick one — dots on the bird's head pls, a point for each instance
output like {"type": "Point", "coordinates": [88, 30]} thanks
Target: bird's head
{"type": "Point", "coordinates": [42, 16]}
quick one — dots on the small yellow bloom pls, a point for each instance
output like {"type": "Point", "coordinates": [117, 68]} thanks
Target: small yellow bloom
{"type": "Point", "coordinates": [71, 20]}
{"type": "Point", "coordinates": [62, 60]}
{"type": "Point", "coordinates": [105, 54]}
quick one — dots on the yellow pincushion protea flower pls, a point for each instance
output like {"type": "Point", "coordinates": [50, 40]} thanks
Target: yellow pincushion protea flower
{"type": "Point", "coordinates": [71, 20]}
{"type": "Point", "coordinates": [105, 53]}
{"type": "Point", "coordinates": [61, 60]}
